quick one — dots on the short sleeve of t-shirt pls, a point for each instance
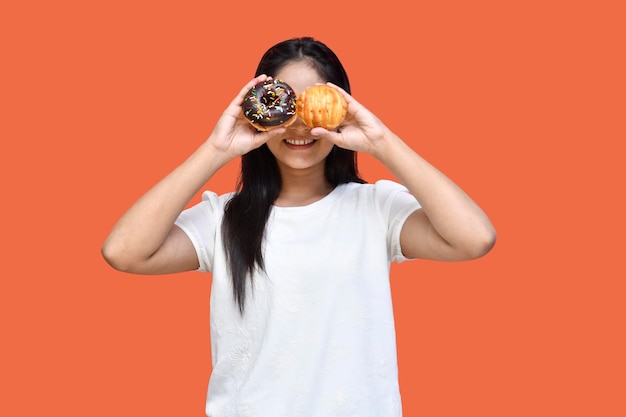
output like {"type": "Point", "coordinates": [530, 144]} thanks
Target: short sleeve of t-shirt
{"type": "Point", "coordinates": [395, 204]}
{"type": "Point", "coordinates": [200, 222]}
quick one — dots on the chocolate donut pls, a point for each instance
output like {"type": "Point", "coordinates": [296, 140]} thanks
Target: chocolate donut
{"type": "Point", "coordinates": [270, 104]}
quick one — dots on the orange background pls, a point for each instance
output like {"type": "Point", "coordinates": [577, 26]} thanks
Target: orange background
{"type": "Point", "coordinates": [522, 103]}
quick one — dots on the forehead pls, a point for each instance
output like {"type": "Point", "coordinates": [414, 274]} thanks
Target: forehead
{"type": "Point", "coordinates": [299, 75]}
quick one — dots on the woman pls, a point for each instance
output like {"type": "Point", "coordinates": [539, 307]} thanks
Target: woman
{"type": "Point", "coordinates": [301, 314]}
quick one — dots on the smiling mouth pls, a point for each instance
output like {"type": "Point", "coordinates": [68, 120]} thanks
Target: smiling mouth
{"type": "Point", "coordinates": [299, 142]}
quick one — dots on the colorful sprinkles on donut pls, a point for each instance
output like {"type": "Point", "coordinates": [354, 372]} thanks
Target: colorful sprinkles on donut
{"type": "Point", "coordinates": [270, 104]}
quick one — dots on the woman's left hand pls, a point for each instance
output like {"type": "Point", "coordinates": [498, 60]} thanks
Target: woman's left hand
{"type": "Point", "coordinates": [360, 131]}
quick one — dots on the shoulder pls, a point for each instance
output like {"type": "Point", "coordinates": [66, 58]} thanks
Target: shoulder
{"type": "Point", "coordinates": [214, 201]}
{"type": "Point", "coordinates": [380, 186]}
{"type": "Point", "coordinates": [379, 191]}
{"type": "Point", "coordinates": [387, 198]}
{"type": "Point", "coordinates": [389, 187]}
{"type": "Point", "coordinates": [209, 210]}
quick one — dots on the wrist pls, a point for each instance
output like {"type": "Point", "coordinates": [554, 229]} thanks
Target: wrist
{"type": "Point", "coordinates": [387, 146]}
{"type": "Point", "coordinates": [212, 156]}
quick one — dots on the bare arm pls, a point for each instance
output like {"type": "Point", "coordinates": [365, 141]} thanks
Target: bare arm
{"type": "Point", "coordinates": [145, 239]}
{"type": "Point", "coordinates": [450, 226]}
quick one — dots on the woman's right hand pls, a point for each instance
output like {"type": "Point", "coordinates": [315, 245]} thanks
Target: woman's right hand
{"type": "Point", "coordinates": [233, 135]}
{"type": "Point", "coordinates": [144, 240]}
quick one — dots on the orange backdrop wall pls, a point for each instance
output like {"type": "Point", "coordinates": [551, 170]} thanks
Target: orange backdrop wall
{"type": "Point", "coordinates": [520, 102]}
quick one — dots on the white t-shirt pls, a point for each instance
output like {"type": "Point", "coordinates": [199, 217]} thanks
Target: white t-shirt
{"type": "Point", "coordinates": [317, 338]}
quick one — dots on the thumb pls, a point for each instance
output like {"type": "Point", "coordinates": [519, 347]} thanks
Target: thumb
{"type": "Point", "coordinates": [263, 137]}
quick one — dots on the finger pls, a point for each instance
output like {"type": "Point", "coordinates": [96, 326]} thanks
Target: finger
{"type": "Point", "coordinates": [333, 136]}
{"type": "Point", "coordinates": [343, 92]}
{"type": "Point", "coordinates": [320, 131]}
{"type": "Point", "coordinates": [262, 137]}
{"type": "Point", "coordinates": [352, 103]}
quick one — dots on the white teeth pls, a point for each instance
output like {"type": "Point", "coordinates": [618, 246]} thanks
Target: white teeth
{"type": "Point", "coordinates": [299, 142]}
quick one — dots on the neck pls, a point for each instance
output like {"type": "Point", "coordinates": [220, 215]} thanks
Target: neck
{"type": "Point", "coordinates": [302, 188]}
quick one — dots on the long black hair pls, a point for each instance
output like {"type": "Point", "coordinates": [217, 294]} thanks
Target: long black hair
{"type": "Point", "coordinates": [259, 184]}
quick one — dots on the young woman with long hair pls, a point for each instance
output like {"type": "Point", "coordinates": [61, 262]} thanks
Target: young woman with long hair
{"type": "Point", "coordinates": [300, 252]}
